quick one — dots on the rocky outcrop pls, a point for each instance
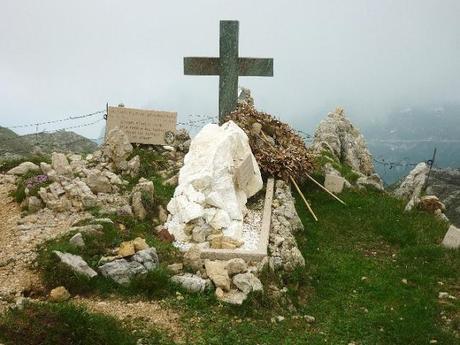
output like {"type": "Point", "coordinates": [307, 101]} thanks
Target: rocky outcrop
{"type": "Point", "coordinates": [445, 184]}
{"type": "Point", "coordinates": [208, 201]}
{"type": "Point", "coordinates": [411, 187]}
{"type": "Point", "coordinates": [283, 250]}
{"type": "Point", "coordinates": [337, 135]}
{"type": "Point", "coordinates": [23, 168]}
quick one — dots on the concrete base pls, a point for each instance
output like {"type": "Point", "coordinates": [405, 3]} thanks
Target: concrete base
{"type": "Point", "coordinates": [249, 255]}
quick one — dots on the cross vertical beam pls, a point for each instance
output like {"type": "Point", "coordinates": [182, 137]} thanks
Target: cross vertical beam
{"type": "Point", "coordinates": [228, 66]}
{"type": "Point", "coordinates": [228, 81]}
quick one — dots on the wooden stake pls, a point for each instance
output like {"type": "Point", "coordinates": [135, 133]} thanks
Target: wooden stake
{"type": "Point", "coordinates": [326, 190]}
{"type": "Point", "coordinates": [303, 198]}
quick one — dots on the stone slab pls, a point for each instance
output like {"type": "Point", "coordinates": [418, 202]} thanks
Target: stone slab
{"type": "Point", "coordinates": [452, 238]}
{"type": "Point", "coordinates": [143, 126]}
{"type": "Point", "coordinates": [258, 254]}
{"type": "Point", "coordinates": [334, 183]}
{"type": "Point", "coordinates": [245, 171]}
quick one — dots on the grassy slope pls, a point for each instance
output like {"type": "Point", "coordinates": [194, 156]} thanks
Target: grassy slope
{"type": "Point", "coordinates": [370, 238]}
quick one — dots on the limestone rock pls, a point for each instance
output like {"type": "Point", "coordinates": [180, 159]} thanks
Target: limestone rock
{"type": "Point", "coordinates": [23, 169]}
{"type": "Point", "coordinates": [247, 282]}
{"type": "Point", "coordinates": [76, 264]}
{"type": "Point", "coordinates": [126, 249]}
{"type": "Point", "coordinates": [176, 268]}
{"type": "Point", "coordinates": [134, 164]}
{"type": "Point", "coordinates": [98, 182]}
{"type": "Point", "coordinates": [334, 183]}
{"type": "Point", "coordinates": [122, 271]}
{"type": "Point", "coordinates": [117, 148]}
{"type": "Point", "coordinates": [60, 164]}
{"type": "Point", "coordinates": [411, 188]}
{"type": "Point", "coordinates": [59, 294]}
{"type": "Point", "coordinates": [192, 282]}
{"type": "Point", "coordinates": [148, 258]}
{"type": "Point", "coordinates": [140, 244]}
{"type": "Point", "coordinates": [217, 272]}
{"type": "Point", "coordinates": [192, 259]}
{"type": "Point", "coordinates": [431, 203]}
{"type": "Point", "coordinates": [77, 240]}
{"type": "Point", "coordinates": [207, 182]}
{"type": "Point", "coordinates": [452, 238]}
{"type": "Point", "coordinates": [231, 297]}
{"type": "Point", "coordinates": [34, 204]}
{"type": "Point", "coordinates": [146, 188]}
{"type": "Point", "coordinates": [235, 266]}
{"type": "Point", "coordinates": [338, 135]}
{"type": "Point", "coordinates": [372, 180]}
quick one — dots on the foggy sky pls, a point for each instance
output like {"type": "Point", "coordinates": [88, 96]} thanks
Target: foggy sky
{"type": "Point", "coordinates": [60, 58]}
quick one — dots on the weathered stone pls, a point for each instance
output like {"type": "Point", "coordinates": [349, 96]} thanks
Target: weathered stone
{"type": "Point", "coordinates": [122, 271]}
{"type": "Point", "coordinates": [373, 181]}
{"type": "Point", "coordinates": [59, 294]}
{"type": "Point", "coordinates": [232, 297]}
{"type": "Point", "coordinates": [192, 283]}
{"type": "Point", "coordinates": [334, 183]}
{"type": "Point", "coordinates": [176, 268]}
{"type": "Point", "coordinates": [217, 272]}
{"type": "Point", "coordinates": [235, 266]}
{"type": "Point", "coordinates": [90, 230]}
{"type": "Point", "coordinates": [117, 148]}
{"type": "Point", "coordinates": [76, 264]}
{"type": "Point", "coordinates": [126, 249]}
{"type": "Point", "coordinates": [140, 244]}
{"type": "Point", "coordinates": [148, 258]}
{"type": "Point", "coordinates": [412, 186]}
{"type": "Point", "coordinates": [98, 182]}
{"type": "Point", "coordinates": [60, 164]}
{"type": "Point", "coordinates": [134, 164]}
{"type": "Point", "coordinates": [192, 259]}
{"type": "Point", "coordinates": [431, 203]}
{"type": "Point", "coordinates": [23, 168]}
{"type": "Point", "coordinates": [34, 204]}
{"type": "Point", "coordinates": [77, 240]}
{"type": "Point", "coordinates": [247, 282]}
{"type": "Point", "coordinates": [452, 238]}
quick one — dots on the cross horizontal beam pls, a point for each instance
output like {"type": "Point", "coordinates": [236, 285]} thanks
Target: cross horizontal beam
{"type": "Point", "coordinates": [255, 67]}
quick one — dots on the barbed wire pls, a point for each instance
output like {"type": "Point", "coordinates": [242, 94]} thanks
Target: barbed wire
{"type": "Point", "coordinates": [68, 118]}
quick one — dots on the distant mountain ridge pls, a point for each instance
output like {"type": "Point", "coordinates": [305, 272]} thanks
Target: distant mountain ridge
{"type": "Point", "coordinates": [12, 144]}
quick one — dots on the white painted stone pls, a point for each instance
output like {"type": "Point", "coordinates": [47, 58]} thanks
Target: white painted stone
{"type": "Point", "coordinates": [452, 238]}
{"type": "Point", "coordinates": [334, 183]}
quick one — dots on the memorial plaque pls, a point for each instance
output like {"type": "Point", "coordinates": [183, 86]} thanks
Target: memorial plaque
{"type": "Point", "coordinates": [244, 171]}
{"type": "Point", "coordinates": [143, 126]}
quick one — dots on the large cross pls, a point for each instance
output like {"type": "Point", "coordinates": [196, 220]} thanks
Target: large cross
{"type": "Point", "coordinates": [228, 67]}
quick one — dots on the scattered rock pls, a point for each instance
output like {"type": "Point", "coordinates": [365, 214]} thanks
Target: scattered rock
{"type": "Point", "coordinates": [176, 268]}
{"type": "Point", "coordinates": [217, 272]}
{"type": "Point", "coordinates": [431, 203]}
{"type": "Point", "coordinates": [60, 164]}
{"type": "Point", "coordinates": [235, 266]}
{"type": "Point", "coordinates": [34, 204]}
{"type": "Point", "coordinates": [192, 282]}
{"type": "Point", "coordinates": [126, 249]}
{"type": "Point", "coordinates": [122, 271]}
{"type": "Point", "coordinates": [232, 297]}
{"type": "Point", "coordinates": [76, 264]}
{"type": "Point", "coordinates": [59, 294]}
{"type": "Point", "coordinates": [192, 259]}
{"type": "Point", "coordinates": [77, 240]}
{"type": "Point", "coordinates": [452, 238]}
{"type": "Point", "coordinates": [148, 258]}
{"type": "Point", "coordinates": [334, 183]}
{"type": "Point", "coordinates": [23, 169]}
{"type": "Point", "coordinates": [165, 236]}
{"type": "Point", "coordinates": [140, 244]}
{"type": "Point", "coordinates": [117, 148]}
{"type": "Point", "coordinates": [411, 188]}
{"type": "Point", "coordinates": [247, 282]}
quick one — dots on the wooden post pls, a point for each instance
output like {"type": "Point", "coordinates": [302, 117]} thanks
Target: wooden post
{"type": "Point", "coordinates": [303, 198]}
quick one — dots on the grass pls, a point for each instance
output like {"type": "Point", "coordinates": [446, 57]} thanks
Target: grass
{"type": "Point", "coordinates": [346, 171]}
{"type": "Point", "coordinates": [51, 324]}
{"type": "Point", "coordinates": [357, 257]}
{"type": "Point", "coordinates": [153, 285]}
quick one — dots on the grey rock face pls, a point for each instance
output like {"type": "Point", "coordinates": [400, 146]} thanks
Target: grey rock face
{"type": "Point", "coordinates": [247, 282]}
{"type": "Point", "coordinates": [148, 258]}
{"type": "Point", "coordinates": [76, 264]}
{"type": "Point", "coordinates": [338, 135]}
{"type": "Point", "coordinates": [445, 184]}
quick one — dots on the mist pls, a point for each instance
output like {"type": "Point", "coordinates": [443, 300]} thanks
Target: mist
{"type": "Point", "coordinates": [61, 58]}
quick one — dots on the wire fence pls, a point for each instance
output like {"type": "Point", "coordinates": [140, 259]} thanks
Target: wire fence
{"type": "Point", "coordinates": [194, 122]}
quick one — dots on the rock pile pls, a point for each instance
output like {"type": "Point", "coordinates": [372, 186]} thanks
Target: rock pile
{"type": "Point", "coordinates": [337, 135]}
{"type": "Point", "coordinates": [284, 253]}
{"type": "Point", "coordinates": [209, 202]}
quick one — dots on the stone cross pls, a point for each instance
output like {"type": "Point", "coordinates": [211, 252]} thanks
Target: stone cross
{"type": "Point", "coordinates": [228, 67]}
